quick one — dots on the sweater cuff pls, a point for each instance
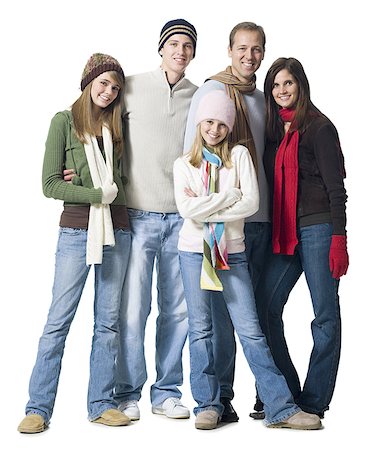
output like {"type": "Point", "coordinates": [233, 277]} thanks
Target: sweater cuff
{"type": "Point", "coordinates": [96, 196]}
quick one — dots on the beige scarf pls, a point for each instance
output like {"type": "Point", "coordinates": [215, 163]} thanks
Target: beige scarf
{"type": "Point", "coordinates": [100, 228]}
{"type": "Point", "coordinates": [241, 133]}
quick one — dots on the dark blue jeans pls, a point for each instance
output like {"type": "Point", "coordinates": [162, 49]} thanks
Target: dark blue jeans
{"type": "Point", "coordinates": [281, 275]}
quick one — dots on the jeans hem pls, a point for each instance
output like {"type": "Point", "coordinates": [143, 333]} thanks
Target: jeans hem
{"type": "Point", "coordinates": [283, 417]}
{"type": "Point", "coordinates": [164, 397]}
{"type": "Point", "coordinates": [320, 412]}
{"type": "Point", "coordinates": [208, 408]}
{"type": "Point", "coordinates": [40, 413]}
{"type": "Point", "coordinates": [93, 417]}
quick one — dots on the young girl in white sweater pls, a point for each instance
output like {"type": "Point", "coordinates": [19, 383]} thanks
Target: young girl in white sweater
{"type": "Point", "coordinates": [215, 189]}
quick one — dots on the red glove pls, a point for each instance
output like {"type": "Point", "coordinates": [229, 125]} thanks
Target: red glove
{"type": "Point", "coordinates": [338, 256]}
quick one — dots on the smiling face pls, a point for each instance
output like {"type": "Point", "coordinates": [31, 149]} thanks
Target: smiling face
{"type": "Point", "coordinates": [246, 54]}
{"type": "Point", "coordinates": [285, 89]}
{"type": "Point", "coordinates": [177, 53]}
{"type": "Point", "coordinates": [104, 90]}
{"type": "Point", "coordinates": [213, 131]}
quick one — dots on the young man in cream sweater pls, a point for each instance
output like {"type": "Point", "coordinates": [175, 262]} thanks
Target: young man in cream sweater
{"type": "Point", "coordinates": [157, 105]}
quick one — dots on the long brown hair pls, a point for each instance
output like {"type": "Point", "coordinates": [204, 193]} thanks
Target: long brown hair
{"type": "Point", "coordinates": [222, 150]}
{"type": "Point", "coordinates": [111, 116]}
{"type": "Point", "coordinates": [305, 111]}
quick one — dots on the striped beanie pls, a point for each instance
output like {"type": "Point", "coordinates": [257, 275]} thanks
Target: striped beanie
{"type": "Point", "coordinates": [98, 64]}
{"type": "Point", "coordinates": [177, 26]}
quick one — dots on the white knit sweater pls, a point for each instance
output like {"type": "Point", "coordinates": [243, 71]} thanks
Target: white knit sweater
{"type": "Point", "coordinates": [238, 197]}
{"type": "Point", "coordinates": [155, 122]}
{"type": "Point", "coordinates": [255, 103]}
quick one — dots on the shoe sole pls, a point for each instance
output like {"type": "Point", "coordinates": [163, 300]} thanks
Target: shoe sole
{"type": "Point", "coordinates": [296, 427]}
{"type": "Point", "coordinates": [205, 426]}
{"type": "Point", "coordinates": [32, 430]}
{"type": "Point", "coordinates": [102, 421]}
{"type": "Point", "coordinates": [132, 418]}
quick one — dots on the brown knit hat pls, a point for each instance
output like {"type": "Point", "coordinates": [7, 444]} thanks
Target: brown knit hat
{"type": "Point", "coordinates": [98, 64]}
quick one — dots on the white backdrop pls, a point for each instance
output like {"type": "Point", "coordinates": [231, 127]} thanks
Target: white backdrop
{"type": "Point", "coordinates": [45, 46]}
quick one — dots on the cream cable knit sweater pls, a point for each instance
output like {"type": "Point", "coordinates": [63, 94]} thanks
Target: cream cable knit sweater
{"type": "Point", "coordinates": [155, 122]}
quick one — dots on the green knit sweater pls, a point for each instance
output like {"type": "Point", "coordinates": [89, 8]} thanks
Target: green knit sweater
{"type": "Point", "coordinates": [63, 150]}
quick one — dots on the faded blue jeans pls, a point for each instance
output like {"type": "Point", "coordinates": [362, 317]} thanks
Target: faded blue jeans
{"type": "Point", "coordinates": [282, 273]}
{"type": "Point", "coordinates": [257, 240]}
{"type": "Point", "coordinates": [239, 298]}
{"type": "Point", "coordinates": [71, 274]}
{"type": "Point", "coordinates": [154, 244]}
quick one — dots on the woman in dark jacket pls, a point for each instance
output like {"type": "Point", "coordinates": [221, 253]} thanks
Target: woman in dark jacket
{"type": "Point", "coordinates": [305, 169]}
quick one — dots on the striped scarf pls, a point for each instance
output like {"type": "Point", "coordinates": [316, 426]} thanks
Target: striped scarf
{"type": "Point", "coordinates": [214, 240]}
{"type": "Point", "coordinates": [241, 133]}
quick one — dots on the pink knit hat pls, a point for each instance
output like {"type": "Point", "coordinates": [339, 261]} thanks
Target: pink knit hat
{"type": "Point", "coordinates": [216, 105]}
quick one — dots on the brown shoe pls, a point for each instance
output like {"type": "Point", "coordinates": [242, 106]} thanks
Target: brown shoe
{"type": "Point", "coordinates": [300, 421]}
{"type": "Point", "coordinates": [33, 423]}
{"type": "Point", "coordinates": [207, 420]}
{"type": "Point", "coordinates": [112, 418]}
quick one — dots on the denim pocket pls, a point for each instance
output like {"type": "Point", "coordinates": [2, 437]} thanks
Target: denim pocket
{"type": "Point", "coordinates": [135, 213]}
{"type": "Point", "coordinates": [71, 231]}
{"type": "Point", "coordinates": [123, 231]}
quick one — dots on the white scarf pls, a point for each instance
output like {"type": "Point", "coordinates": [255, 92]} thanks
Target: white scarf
{"type": "Point", "coordinates": [100, 228]}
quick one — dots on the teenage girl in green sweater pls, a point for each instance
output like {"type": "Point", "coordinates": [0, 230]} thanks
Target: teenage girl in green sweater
{"type": "Point", "coordinates": [94, 229]}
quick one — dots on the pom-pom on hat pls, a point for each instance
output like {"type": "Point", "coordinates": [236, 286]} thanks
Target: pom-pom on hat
{"type": "Point", "coordinates": [216, 105]}
{"type": "Point", "coordinates": [98, 64]}
{"type": "Point", "coordinates": [177, 26]}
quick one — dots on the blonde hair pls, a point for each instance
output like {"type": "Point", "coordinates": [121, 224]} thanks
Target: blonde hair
{"type": "Point", "coordinates": [222, 150]}
{"type": "Point", "coordinates": [111, 116]}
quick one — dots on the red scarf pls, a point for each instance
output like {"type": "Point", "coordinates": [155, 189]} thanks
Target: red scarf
{"type": "Point", "coordinates": [285, 190]}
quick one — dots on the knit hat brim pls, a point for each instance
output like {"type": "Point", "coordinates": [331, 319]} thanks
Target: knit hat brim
{"type": "Point", "coordinates": [98, 64]}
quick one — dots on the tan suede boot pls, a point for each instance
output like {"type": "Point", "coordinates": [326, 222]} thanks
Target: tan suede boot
{"type": "Point", "coordinates": [299, 421]}
{"type": "Point", "coordinates": [207, 420]}
{"type": "Point", "coordinates": [112, 418]}
{"type": "Point", "coordinates": [33, 423]}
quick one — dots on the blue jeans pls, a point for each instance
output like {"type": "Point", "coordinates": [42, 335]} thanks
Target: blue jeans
{"type": "Point", "coordinates": [154, 241]}
{"type": "Point", "coordinates": [312, 258]}
{"type": "Point", "coordinates": [71, 274]}
{"type": "Point", "coordinates": [257, 239]}
{"type": "Point", "coordinates": [239, 298]}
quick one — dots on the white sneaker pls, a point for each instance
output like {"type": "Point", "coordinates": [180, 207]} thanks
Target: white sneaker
{"type": "Point", "coordinates": [130, 409]}
{"type": "Point", "coordinates": [172, 408]}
